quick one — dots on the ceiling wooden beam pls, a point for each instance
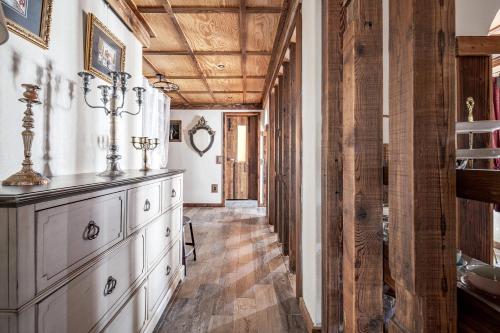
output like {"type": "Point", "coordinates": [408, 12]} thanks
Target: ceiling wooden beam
{"type": "Point", "coordinates": [200, 10]}
{"type": "Point", "coordinates": [220, 92]}
{"type": "Point", "coordinates": [478, 45]}
{"type": "Point", "coordinates": [248, 106]}
{"type": "Point", "coordinates": [168, 8]}
{"type": "Point", "coordinates": [285, 31]}
{"type": "Point", "coordinates": [207, 77]}
{"type": "Point", "coordinates": [130, 16]}
{"type": "Point", "coordinates": [243, 45]}
{"type": "Point", "coordinates": [201, 53]}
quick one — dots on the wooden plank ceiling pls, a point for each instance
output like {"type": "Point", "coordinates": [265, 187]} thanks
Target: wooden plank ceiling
{"type": "Point", "coordinates": [217, 51]}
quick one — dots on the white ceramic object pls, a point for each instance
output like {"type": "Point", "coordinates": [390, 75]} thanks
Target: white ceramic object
{"type": "Point", "coordinates": [485, 278]}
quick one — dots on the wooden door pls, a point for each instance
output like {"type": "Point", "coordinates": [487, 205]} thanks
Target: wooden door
{"type": "Point", "coordinates": [241, 157]}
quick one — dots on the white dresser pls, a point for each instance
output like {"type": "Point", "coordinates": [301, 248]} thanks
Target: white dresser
{"type": "Point", "coordinates": [88, 254]}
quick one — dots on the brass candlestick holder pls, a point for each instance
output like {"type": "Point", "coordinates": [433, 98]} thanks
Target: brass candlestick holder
{"type": "Point", "coordinates": [145, 144]}
{"type": "Point", "coordinates": [27, 176]}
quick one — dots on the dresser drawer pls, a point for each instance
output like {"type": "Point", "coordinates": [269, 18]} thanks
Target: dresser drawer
{"type": "Point", "coordinates": [69, 235]}
{"type": "Point", "coordinates": [143, 206]}
{"type": "Point", "coordinates": [159, 279]}
{"type": "Point", "coordinates": [82, 303]}
{"type": "Point", "coordinates": [172, 192]}
{"type": "Point", "coordinates": [161, 232]}
{"type": "Point", "coordinates": [133, 316]}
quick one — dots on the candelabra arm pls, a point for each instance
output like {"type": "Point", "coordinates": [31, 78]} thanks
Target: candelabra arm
{"type": "Point", "coordinates": [131, 113]}
{"type": "Point", "coordinates": [95, 107]}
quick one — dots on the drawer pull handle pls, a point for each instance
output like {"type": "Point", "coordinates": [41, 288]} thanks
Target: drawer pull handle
{"type": "Point", "coordinates": [91, 231]}
{"type": "Point", "coordinates": [110, 286]}
{"type": "Point", "coordinates": [147, 205]}
{"type": "Point", "coordinates": [174, 193]}
{"type": "Point", "coordinates": [169, 269]}
{"type": "Point", "coordinates": [168, 232]}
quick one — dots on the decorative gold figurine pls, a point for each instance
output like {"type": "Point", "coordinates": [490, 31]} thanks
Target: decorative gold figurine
{"type": "Point", "coordinates": [27, 176]}
{"type": "Point", "coordinates": [470, 118]}
{"type": "Point", "coordinates": [145, 144]}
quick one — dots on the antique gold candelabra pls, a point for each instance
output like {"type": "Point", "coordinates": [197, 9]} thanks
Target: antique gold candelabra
{"type": "Point", "coordinates": [113, 109]}
{"type": "Point", "coordinates": [145, 144]}
{"type": "Point", "coordinates": [27, 176]}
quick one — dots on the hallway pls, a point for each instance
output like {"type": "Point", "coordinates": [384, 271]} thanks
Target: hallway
{"type": "Point", "coordinates": [239, 282]}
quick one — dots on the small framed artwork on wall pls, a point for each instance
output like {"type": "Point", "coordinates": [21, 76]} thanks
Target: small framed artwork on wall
{"type": "Point", "coordinates": [29, 19]}
{"type": "Point", "coordinates": [175, 131]}
{"type": "Point", "coordinates": [104, 52]}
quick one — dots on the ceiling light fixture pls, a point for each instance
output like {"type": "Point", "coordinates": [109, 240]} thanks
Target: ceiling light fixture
{"type": "Point", "coordinates": [164, 84]}
{"type": "Point", "coordinates": [221, 66]}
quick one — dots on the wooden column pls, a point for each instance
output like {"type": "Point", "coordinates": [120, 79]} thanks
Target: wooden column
{"type": "Point", "coordinates": [278, 115]}
{"type": "Point", "coordinates": [362, 165]}
{"type": "Point", "coordinates": [422, 165]}
{"type": "Point", "coordinates": [331, 154]}
{"type": "Point", "coordinates": [271, 184]}
{"type": "Point", "coordinates": [296, 53]}
{"type": "Point", "coordinates": [286, 149]}
{"type": "Point", "coordinates": [475, 219]}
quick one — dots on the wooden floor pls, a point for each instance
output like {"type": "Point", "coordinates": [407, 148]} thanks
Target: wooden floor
{"type": "Point", "coordinates": [239, 282]}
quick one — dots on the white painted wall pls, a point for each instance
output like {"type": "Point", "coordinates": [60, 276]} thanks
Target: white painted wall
{"type": "Point", "coordinates": [71, 128]}
{"type": "Point", "coordinates": [311, 158]}
{"type": "Point", "coordinates": [474, 18]}
{"type": "Point", "coordinates": [201, 172]}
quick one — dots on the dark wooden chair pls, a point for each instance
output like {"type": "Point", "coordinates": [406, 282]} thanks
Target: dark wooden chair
{"type": "Point", "coordinates": [187, 220]}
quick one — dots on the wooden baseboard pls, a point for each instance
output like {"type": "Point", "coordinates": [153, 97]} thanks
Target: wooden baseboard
{"type": "Point", "coordinates": [311, 328]}
{"type": "Point", "coordinates": [206, 205]}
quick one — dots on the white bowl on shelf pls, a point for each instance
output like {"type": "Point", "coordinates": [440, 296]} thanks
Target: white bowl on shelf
{"type": "Point", "coordinates": [485, 278]}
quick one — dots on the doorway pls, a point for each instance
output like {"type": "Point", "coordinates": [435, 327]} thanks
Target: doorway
{"type": "Point", "coordinates": [241, 156]}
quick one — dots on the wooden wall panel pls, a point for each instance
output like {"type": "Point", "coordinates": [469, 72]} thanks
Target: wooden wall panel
{"type": "Point", "coordinates": [211, 31]}
{"type": "Point", "coordinates": [422, 191]}
{"type": "Point", "coordinates": [362, 166]}
{"type": "Point", "coordinates": [474, 218]}
{"type": "Point", "coordinates": [332, 174]}
{"type": "Point", "coordinates": [253, 157]}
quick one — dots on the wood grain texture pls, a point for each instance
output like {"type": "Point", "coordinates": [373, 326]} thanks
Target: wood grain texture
{"type": "Point", "coordinates": [474, 218]}
{"type": "Point", "coordinates": [229, 97]}
{"type": "Point", "coordinates": [239, 282]}
{"type": "Point", "coordinates": [173, 65]}
{"type": "Point", "coordinates": [332, 173]}
{"type": "Point", "coordinates": [252, 97]}
{"type": "Point", "coordinates": [209, 65]}
{"type": "Point", "coordinates": [226, 84]}
{"type": "Point", "coordinates": [279, 160]}
{"type": "Point", "coordinates": [422, 200]}
{"type": "Point", "coordinates": [272, 160]}
{"type": "Point", "coordinates": [132, 19]}
{"type": "Point", "coordinates": [205, 3]}
{"type": "Point", "coordinates": [167, 37]}
{"type": "Point", "coordinates": [286, 157]}
{"type": "Point", "coordinates": [255, 84]}
{"type": "Point", "coordinates": [198, 98]}
{"type": "Point", "coordinates": [211, 32]}
{"type": "Point", "coordinates": [478, 45]}
{"type": "Point", "coordinates": [257, 65]}
{"type": "Point", "coordinates": [362, 166]}
{"type": "Point", "coordinates": [263, 28]}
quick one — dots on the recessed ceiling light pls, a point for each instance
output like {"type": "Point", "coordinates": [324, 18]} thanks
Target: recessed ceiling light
{"type": "Point", "coordinates": [221, 66]}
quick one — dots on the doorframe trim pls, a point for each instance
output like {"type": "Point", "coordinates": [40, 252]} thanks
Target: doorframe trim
{"type": "Point", "coordinates": [223, 180]}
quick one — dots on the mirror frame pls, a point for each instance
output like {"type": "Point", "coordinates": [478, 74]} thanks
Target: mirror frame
{"type": "Point", "coordinates": [201, 125]}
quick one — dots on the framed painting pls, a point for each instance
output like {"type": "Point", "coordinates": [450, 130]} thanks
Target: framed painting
{"type": "Point", "coordinates": [104, 52]}
{"type": "Point", "coordinates": [175, 134]}
{"type": "Point", "coordinates": [29, 19]}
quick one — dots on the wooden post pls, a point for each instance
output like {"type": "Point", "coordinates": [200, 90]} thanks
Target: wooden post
{"type": "Point", "coordinates": [271, 184]}
{"type": "Point", "coordinates": [297, 151]}
{"type": "Point", "coordinates": [286, 149]}
{"type": "Point", "coordinates": [475, 219]}
{"type": "Point", "coordinates": [331, 154]}
{"type": "Point", "coordinates": [362, 181]}
{"type": "Point", "coordinates": [279, 133]}
{"type": "Point", "coordinates": [422, 165]}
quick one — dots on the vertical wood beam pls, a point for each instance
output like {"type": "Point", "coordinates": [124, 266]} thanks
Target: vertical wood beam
{"type": "Point", "coordinates": [474, 218]}
{"type": "Point", "coordinates": [362, 165]}
{"type": "Point", "coordinates": [243, 42]}
{"type": "Point", "coordinates": [331, 155]}
{"type": "Point", "coordinates": [294, 148]}
{"type": "Point", "coordinates": [286, 149]}
{"type": "Point", "coordinates": [422, 185]}
{"type": "Point", "coordinates": [271, 184]}
{"type": "Point", "coordinates": [279, 164]}
{"type": "Point", "coordinates": [297, 150]}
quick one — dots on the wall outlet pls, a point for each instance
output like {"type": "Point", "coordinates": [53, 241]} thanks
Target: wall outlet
{"type": "Point", "coordinates": [215, 188]}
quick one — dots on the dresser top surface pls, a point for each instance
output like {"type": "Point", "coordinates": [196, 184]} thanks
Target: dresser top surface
{"type": "Point", "coordinates": [61, 186]}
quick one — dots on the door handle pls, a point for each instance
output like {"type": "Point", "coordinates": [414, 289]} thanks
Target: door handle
{"type": "Point", "coordinates": [110, 286]}
{"type": "Point", "coordinates": [91, 231]}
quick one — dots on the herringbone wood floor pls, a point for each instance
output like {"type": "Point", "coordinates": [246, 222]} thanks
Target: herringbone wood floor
{"type": "Point", "coordinates": [239, 282]}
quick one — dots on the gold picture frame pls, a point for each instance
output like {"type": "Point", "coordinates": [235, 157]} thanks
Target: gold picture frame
{"type": "Point", "coordinates": [93, 62]}
{"type": "Point", "coordinates": [41, 40]}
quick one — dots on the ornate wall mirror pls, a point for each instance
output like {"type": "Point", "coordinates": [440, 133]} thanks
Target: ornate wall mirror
{"type": "Point", "coordinates": [201, 136]}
